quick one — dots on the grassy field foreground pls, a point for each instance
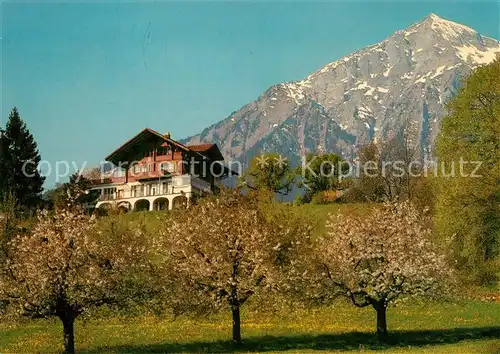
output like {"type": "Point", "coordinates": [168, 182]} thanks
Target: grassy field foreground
{"type": "Point", "coordinates": [467, 327]}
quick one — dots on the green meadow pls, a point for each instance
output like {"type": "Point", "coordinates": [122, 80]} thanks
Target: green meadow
{"type": "Point", "coordinates": [469, 326]}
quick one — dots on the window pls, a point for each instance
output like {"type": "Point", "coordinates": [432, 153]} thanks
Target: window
{"type": "Point", "coordinates": [108, 193]}
{"type": "Point", "coordinates": [162, 151]}
{"type": "Point", "coordinates": [168, 167]}
{"type": "Point", "coordinates": [118, 172]}
{"type": "Point", "coordinates": [137, 191]}
{"type": "Point", "coordinates": [141, 168]}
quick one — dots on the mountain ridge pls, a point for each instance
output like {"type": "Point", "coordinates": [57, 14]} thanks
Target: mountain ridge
{"type": "Point", "coordinates": [370, 94]}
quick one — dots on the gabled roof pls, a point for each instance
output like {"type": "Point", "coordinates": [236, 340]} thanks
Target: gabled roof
{"type": "Point", "coordinates": [145, 136]}
{"type": "Point", "coordinates": [153, 138]}
{"type": "Point", "coordinates": [210, 150]}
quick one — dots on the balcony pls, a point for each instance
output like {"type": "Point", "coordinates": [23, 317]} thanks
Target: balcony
{"type": "Point", "coordinates": [176, 185]}
{"type": "Point", "coordinates": [107, 180]}
{"type": "Point", "coordinates": [139, 193]}
{"type": "Point", "coordinates": [104, 197]}
{"type": "Point", "coordinates": [200, 184]}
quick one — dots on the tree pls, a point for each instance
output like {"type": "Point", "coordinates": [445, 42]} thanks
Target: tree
{"type": "Point", "coordinates": [76, 191]}
{"type": "Point", "coordinates": [370, 186]}
{"type": "Point", "coordinates": [5, 166]}
{"type": "Point", "coordinates": [269, 171]}
{"type": "Point", "coordinates": [19, 163]}
{"type": "Point", "coordinates": [468, 189]}
{"type": "Point", "coordinates": [390, 170]}
{"type": "Point", "coordinates": [66, 267]}
{"type": "Point", "coordinates": [404, 150]}
{"type": "Point", "coordinates": [225, 249]}
{"type": "Point", "coordinates": [374, 260]}
{"type": "Point", "coordinates": [9, 220]}
{"type": "Point", "coordinates": [321, 173]}
{"type": "Point", "coordinates": [9, 227]}
{"type": "Point", "coordinates": [3, 251]}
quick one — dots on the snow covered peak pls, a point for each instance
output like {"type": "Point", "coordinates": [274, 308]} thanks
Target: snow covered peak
{"type": "Point", "coordinates": [469, 46]}
{"type": "Point", "coordinates": [420, 40]}
{"type": "Point", "coordinates": [448, 29]}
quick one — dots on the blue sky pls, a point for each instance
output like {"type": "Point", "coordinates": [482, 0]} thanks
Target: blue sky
{"type": "Point", "coordinates": [87, 76]}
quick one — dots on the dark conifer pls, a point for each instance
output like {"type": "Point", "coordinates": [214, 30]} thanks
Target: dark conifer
{"type": "Point", "coordinates": [19, 159]}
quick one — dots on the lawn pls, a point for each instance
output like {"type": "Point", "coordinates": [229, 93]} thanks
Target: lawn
{"type": "Point", "coordinates": [318, 214]}
{"type": "Point", "coordinates": [470, 326]}
{"type": "Point", "coordinates": [465, 327]}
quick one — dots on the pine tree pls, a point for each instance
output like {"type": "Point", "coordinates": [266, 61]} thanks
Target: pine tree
{"type": "Point", "coordinates": [19, 159]}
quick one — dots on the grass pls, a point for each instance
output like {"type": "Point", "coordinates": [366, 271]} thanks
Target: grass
{"type": "Point", "coordinates": [316, 214]}
{"type": "Point", "coordinates": [319, 213]}
{"type": "Point", "coordinates": [466, 327]}
{"type": "Point", "coordinates": [470, 326]}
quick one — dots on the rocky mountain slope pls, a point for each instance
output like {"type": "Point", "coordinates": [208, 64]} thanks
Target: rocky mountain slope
{"type": "Point", "coordinates": [368, 95]}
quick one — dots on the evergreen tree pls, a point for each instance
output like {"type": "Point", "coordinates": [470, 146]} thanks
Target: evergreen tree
{"type": "Point", "coordinates": [19, 159]}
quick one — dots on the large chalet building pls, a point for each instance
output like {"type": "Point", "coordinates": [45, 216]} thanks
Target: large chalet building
{"type": "Point", "coordinates": [151, 171]}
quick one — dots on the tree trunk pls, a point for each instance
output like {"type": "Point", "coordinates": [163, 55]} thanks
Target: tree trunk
{"type": "Point", "coordinates": [381, 309]}
{"type": "Point", "coordinates": [68, 321]}
{"type": "Point", "coordinates": [236, 324]}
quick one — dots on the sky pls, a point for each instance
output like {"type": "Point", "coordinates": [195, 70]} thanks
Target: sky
{"type": "Point", "coordinates": [88, 76]}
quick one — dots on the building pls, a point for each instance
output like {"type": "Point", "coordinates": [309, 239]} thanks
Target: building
{"type": "Point", "coordinates": [153, 172]}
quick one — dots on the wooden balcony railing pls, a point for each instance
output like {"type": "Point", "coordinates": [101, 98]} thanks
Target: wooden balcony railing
{"type": "Point", "coordinates": [175, 186]}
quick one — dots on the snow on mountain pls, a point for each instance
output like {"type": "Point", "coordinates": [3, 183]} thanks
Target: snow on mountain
{"type": "Point", "coordinates": [369, 94]}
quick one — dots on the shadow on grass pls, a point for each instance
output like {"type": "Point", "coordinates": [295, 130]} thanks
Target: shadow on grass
{"type": "Point", "coordinates": [341, 341]}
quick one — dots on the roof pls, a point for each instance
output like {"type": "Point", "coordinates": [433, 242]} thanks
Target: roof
{"type": "Point", "coordinates": [210, 150]}
{"type": "Point", "coordinates": [200, 147]}
{"type": "Point", "coordinates": [149, 138]}
{"type": "Point", "coordinates": [145, 137]}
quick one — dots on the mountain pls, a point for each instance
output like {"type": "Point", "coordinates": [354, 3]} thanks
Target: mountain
{"type": "Point", "coordinates": [370, 94]}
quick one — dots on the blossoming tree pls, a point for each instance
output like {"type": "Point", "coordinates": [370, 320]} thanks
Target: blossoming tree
{"type": "Point", "coordinates": [374, 260]}
{"type": "Point", "coordinates": [226, 249]}
{"type": "Point", "coordinates": [8, 224]}
{"type": "Point", "coordinates": [64, 267]}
